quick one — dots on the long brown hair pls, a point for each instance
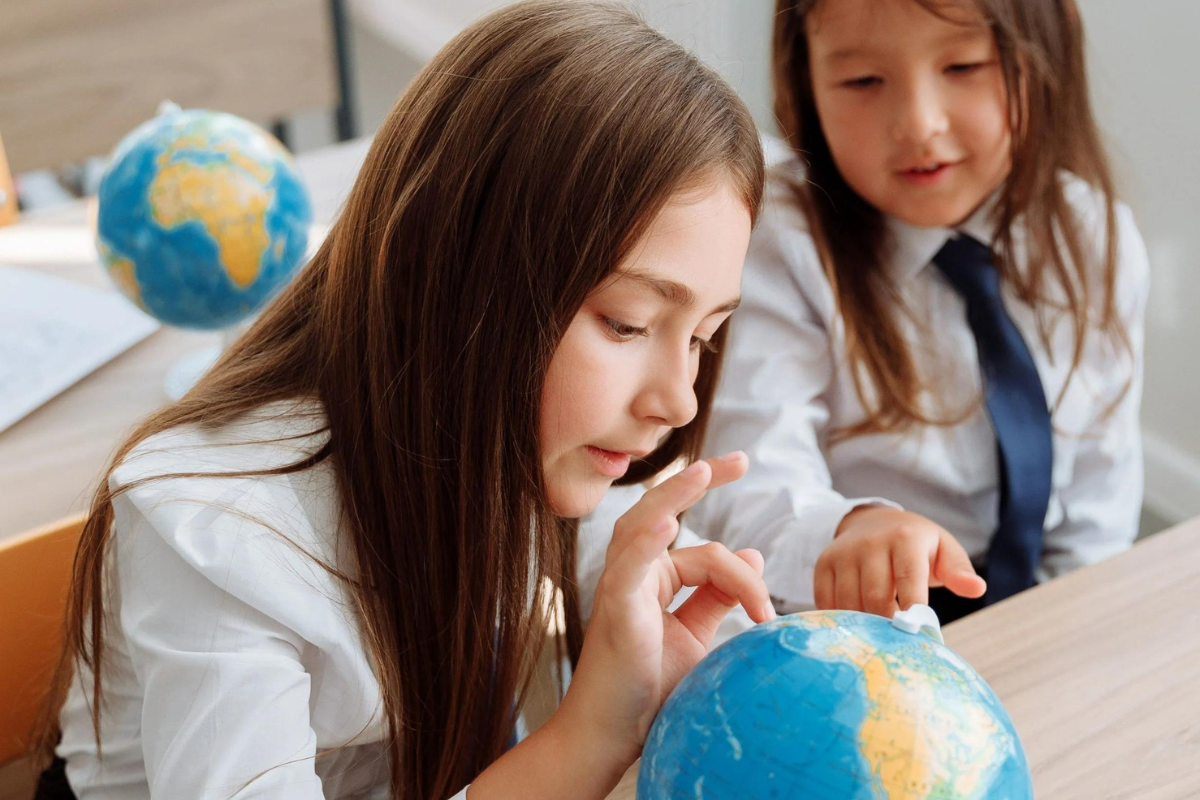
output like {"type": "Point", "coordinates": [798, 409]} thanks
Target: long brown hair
{"type": "Point", "coordinates": [513, 175]}
{"type": "Point", "coordinates": [1042, 56]}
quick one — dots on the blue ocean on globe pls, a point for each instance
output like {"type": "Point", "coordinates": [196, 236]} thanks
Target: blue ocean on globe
{"type": "Point", "coordinates": [833, 704]}
{"type": "Point", "coordinates": [202, 218]}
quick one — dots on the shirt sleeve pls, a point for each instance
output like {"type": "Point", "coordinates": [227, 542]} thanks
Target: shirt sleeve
{"type": "Point", "coordinates": [1102, 503]}
{"type": "Point", "coordinates": [225, 709]}
{"type": "Point", "coordinates": [772, 403]}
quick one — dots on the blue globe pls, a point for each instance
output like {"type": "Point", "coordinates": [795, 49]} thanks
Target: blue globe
{"type": "Point", "coordinates": [838, 705]}
{"type": "Point", "coordinates": [202, 218]}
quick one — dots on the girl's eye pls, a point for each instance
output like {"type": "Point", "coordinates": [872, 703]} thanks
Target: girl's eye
{"type": "Point", "coordinates": [965, 69]}
{"type": "Point", "coordinates": [865, 82]}
{"type": "Point", "coordinates": [621, 330]}
{"type": "Point", "coordinates": [624, 333]}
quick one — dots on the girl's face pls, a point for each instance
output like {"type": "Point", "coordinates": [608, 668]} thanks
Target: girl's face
{"type": "Point", "coordinates": [623, 375]}
{"type": "Point", "coordinates": [913, 106]}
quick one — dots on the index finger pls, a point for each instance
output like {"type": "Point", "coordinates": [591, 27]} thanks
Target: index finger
{"type": "Point", "coordinates": [727, 468]}
{"type": "Point", "coordinates": [910, 568]}
{"type": "Point", "coordinates": [675, 495]}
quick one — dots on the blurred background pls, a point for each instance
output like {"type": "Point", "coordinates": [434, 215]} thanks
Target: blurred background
{"type": "Point", "coordinates": [318, 72]}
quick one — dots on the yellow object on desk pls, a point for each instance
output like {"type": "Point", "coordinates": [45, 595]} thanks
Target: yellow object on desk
{"type": "Point", "coordinates": [8, 191]}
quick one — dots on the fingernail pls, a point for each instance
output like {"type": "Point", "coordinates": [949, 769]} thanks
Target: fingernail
{"type": "Point", "coordinates": [730, 457]}
{"type": "Point", "coordinates": [769, 612]}
{"type": "Point", "coordinates": [693, 470]}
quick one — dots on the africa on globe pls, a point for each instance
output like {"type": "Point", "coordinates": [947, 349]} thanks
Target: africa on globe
{"type": "Point", "coordinates": [834, 705]}
{"type": "Point", "coordinates": [202, 218]}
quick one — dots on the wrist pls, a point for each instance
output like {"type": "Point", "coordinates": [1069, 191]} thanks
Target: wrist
{"type": "Point", "coordinates": [560, 759]}
{"type": "Point", "coordinates": [854, 516]}
{"type": "Point", "coordinates": [583, 735]}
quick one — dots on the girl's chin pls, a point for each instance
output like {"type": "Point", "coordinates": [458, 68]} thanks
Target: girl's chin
{"type": "Point", "coordinates": [931, 215]}
{"type": "Point", "coordinates": [578, 499]}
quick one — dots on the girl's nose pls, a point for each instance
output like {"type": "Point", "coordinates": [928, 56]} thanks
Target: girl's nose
{"type": "Point", "coordinates": [920, 113]}
{"type": "Point", "coordinates": [668, 396]}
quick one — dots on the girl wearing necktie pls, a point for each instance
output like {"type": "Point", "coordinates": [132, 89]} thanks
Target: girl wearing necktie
{"type": "Point", "coordinates": [936, 367]}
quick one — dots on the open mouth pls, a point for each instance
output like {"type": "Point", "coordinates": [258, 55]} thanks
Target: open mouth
{"type": "Point", "coordinates": [926, 173]}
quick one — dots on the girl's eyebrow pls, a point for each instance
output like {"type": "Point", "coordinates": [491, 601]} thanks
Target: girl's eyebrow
{"type": "Point", "coordinates": [968, 33]}
{"type": "Point", "coordinates": [847, 53]}
{"type": "Point", "coordinates": [674, 292]}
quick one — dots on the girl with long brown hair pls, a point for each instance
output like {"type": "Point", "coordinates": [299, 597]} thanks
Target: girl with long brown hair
{"type": "Point", "coordinates": [936, 370]}
{"type": "Point", "coordinates": [321, 573]}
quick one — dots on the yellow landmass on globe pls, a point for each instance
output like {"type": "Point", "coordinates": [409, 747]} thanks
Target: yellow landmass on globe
{"type": "Point", "coordinates": [900, 736]}
{"type": "Point", "coordinates": [121, 271]}
{"type": "Point", "coordinates": [228, 198]}
{"type": "Point", "coordinates": [202, 144]}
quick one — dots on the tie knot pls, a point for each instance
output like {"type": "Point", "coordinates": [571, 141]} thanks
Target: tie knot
{"type": "Point", "coordinates": [970, 268]}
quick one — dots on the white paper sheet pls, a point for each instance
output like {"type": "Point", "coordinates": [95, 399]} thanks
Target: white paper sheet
{"type": "Point", "coordinates": [54, 332]}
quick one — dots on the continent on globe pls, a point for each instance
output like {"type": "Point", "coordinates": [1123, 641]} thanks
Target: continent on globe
{"type": "Point", "coordinates": [834, 704]}
{"type": "Point", "coordinates": [184, 191]}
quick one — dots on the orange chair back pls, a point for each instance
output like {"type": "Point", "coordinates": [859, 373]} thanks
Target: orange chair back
{"type": "Point", "coordinates": [35, 574]}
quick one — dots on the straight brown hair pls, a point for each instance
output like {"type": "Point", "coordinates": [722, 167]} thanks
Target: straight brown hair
{"type": "Point", "coordinates": [1041, 49]}
{"type": "Point", "coordinates": [512, 177]}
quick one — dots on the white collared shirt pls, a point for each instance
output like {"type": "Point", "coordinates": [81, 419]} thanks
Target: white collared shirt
{"type": "Point", "coordinates": [233, 658]}
{"type": "Point", "coordinates": [785, 386]}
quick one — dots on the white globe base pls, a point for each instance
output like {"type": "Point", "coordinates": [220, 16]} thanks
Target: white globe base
{"type": "Point", "coordinates": [184, 373]}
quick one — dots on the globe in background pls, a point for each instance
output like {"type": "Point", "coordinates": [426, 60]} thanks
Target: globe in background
{"type": "Point", "coordinates": [833, 705]}
{"type": "Point", "coordinates": [202, 218]}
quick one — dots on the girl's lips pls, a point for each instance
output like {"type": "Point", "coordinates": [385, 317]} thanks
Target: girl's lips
{"type": "Point", "coordinates": [925, 177]}
{"type": "Point", "coordinates": [608, 463]}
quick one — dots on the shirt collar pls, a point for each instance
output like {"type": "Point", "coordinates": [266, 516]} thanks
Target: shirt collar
{"type": "Point", "coordinates": [910, 249]}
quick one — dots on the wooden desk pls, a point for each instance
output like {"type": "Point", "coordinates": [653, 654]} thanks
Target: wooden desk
{"type": "Point", "coordinates": [1100, 672]}
{"type": "Point", "coordinates": [50, 460]}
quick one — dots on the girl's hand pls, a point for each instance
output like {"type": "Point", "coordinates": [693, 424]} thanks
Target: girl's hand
{"type": "Point", "coordinates": [635, 651]}
{"type": "Point", "coordinates": [882, 560]}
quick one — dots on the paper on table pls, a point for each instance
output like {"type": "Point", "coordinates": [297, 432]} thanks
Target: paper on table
{"type": "Point", "coordinates": [53, 332]}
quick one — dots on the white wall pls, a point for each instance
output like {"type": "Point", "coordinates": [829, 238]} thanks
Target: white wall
{"type": "Point", "coordinates": [392, 38]}
{"type": "Point", "coordinates": [1145, 72]}
{"type": "Point", "coordinates": [733, 36]}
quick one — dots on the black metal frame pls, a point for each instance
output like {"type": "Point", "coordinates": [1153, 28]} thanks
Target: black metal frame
{"type": "Point", "coordinates": [345, 115]}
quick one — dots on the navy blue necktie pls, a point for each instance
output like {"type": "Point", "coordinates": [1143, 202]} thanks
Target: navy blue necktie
{"type": "Point", "coordinates": [1016, 402]}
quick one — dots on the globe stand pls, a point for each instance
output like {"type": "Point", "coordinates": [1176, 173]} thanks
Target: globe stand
{"type": "Point", "coordinates": [187, 371]}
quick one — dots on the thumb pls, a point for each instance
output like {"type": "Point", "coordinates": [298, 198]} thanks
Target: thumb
{"type": "Point", "coordinates": [953, 568]}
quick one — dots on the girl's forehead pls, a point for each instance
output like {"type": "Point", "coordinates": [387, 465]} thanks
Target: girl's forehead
{"type": "Point", "coordinates": [870, 18]}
